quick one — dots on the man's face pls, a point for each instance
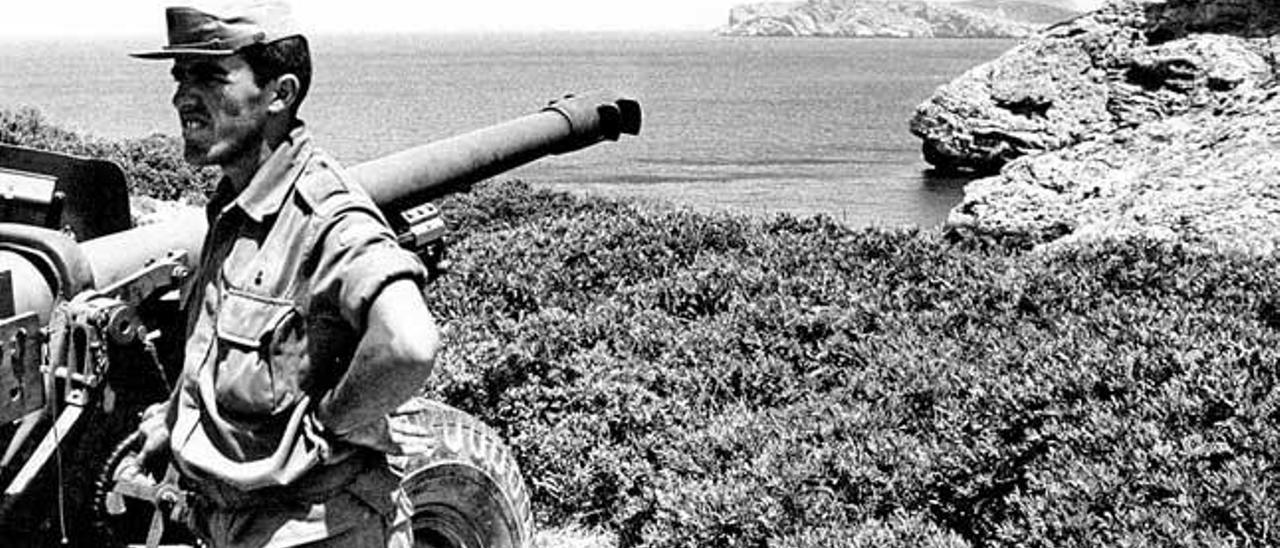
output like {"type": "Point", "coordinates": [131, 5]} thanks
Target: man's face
{"type": "Point", "coordinates": [222, 109]}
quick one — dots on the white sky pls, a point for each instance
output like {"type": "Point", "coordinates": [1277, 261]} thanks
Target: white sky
{"type": "Point", "coordinates": [86, 18]}
{"type": "Point", "coordinates": [35, 18]}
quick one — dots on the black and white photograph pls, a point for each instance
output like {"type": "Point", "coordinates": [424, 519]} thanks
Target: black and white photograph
{"type": "Point", "coordinates": [607, 274]}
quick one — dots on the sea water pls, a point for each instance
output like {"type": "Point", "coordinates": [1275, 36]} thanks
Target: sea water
{"type": "Point", "coordinates": [755, 125]}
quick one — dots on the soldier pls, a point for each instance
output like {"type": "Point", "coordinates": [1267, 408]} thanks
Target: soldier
{"type": "Point", "coordinates": [306, 323]}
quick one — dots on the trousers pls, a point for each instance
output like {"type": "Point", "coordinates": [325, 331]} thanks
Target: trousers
{"type": "Point", "coordinates": [341, 522]}
{"type": "Point", "coordinates": [358, 503]}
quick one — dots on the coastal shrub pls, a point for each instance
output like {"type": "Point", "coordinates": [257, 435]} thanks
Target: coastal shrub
{"type": "Point", "coordinates": [693, 379]}
{"type": "Point", "coordinates": [153, 165]}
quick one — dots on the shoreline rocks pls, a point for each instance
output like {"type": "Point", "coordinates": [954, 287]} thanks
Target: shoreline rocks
{"type": "Point", "coordinates": [1130, 62]}
{"type": "Point", "coordinates": [1210, 179]}
{"type": "Point", "coordinates": [1145, 118]}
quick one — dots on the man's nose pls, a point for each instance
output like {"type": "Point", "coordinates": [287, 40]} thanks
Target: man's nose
{"type": "Point", "coordinates": [183, 98]}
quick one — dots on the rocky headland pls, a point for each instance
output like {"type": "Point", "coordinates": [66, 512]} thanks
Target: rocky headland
{"type": "Point", "coordinates": [894, 18]}
{"type": "Point", "coordinates": [1144, 118]}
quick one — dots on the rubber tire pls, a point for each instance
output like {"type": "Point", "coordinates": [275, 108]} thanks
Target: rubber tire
{"type": "Point", "coordinates": [466, 488]}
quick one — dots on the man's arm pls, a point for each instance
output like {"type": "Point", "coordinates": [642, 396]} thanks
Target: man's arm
{"type": "Point", "coordinates": [391, 362]}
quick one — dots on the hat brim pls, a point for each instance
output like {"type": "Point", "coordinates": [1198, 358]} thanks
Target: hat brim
{"type": "Point", "coordinates": [173, 53]}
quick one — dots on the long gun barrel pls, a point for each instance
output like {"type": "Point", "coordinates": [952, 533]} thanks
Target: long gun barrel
{"type": "Point", "coordinates": [413, 176]}
{"type": "Point", "coordinates": [395, 182]}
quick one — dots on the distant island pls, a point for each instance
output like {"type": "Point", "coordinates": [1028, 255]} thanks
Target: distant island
{"type": "Point", "coordinates": [898, 18]}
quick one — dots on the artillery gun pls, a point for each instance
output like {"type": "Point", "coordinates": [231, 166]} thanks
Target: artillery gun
{"type": "Point", "coordinates": [89, 321]}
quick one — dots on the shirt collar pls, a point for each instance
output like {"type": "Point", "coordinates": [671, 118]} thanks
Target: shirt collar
{"type": "Point", "coordinates": [266, 191]}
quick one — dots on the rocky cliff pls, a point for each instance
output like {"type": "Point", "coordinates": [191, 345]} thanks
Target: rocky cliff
{"type": "Point", "coordinates": [1146, 117]}
{"type": "Point", "coordinates": [1130, 62]}
{"type": "Point", "coordinates": [1209, 178]}
{"type": "Point", "coordinates": [893, 18]}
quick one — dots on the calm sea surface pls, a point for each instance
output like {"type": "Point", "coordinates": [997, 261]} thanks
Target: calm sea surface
{"type": "Point", "coordinates": [757, 125]}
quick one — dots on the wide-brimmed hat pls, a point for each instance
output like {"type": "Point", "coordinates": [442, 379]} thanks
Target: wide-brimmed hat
{"type": "Point", "coordinates": [220, 28]}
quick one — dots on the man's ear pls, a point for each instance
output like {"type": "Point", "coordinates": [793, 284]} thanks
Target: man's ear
{"type": "Point", "coordinates": [286, 94]}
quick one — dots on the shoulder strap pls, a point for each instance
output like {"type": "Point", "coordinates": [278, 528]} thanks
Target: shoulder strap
{"type": "Point", "coordinates": [326, 189]}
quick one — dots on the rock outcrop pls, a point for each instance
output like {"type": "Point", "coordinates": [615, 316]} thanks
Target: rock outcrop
{"type": "Point", "coordinates": [1210, 179]}
{"type": "Point", "coordinates": [1130, 62]}
{"type": "Point", "coordinates": [892, 18]}
{"type": "Point", "coordinates": [1147, 118]}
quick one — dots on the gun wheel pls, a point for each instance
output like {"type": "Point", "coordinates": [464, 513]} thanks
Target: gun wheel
{"type": "Point", "coordinates": [466, 489]}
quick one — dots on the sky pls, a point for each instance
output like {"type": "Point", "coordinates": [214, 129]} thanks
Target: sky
{"type": "Point", "coordinates": [37, 18]}
{"type": "Point", "coordinates": [92, 18]}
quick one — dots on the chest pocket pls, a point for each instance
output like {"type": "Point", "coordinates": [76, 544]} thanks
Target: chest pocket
{"type": "Point", "coordinates": [261, 354]}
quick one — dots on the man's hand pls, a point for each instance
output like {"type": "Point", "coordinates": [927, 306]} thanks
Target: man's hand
{"type": "Point", "coordinates": [155, 435]}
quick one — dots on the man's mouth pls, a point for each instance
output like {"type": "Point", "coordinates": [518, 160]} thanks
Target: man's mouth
{"type": "Point", "coordinates": [193, 122]}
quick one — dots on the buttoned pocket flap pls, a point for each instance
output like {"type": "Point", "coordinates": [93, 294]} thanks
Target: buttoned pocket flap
{"type": "Point", "coordinates": [248, 320]}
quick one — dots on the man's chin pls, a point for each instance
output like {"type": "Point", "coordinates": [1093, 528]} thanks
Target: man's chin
{"type": "Point", "coordinates": [197, 156]}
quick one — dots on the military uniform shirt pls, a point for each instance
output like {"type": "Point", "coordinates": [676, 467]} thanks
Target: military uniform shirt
{"type": "Point", "coordinates": [276, 308]}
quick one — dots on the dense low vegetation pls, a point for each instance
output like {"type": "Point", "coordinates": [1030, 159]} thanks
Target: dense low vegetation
{"type": "Point", "coordinates": [153, 164]}
{"type": "Point", "coordinates": [686, 379]}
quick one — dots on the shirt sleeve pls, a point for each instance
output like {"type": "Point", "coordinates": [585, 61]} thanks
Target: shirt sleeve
{"type": "Point", "coordinates": [358, 256]}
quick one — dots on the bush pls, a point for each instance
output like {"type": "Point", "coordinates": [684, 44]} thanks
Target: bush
{"type": "Point", "coordinates": [686, 379]}
{"type": "Point", "coordinates": [153, 165]}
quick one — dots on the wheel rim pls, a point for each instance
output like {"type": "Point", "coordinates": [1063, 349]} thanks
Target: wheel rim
{"type": "Point", "coordinates": [458, 506]}
{"type": "Point", "coordinates": [440, 526]}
